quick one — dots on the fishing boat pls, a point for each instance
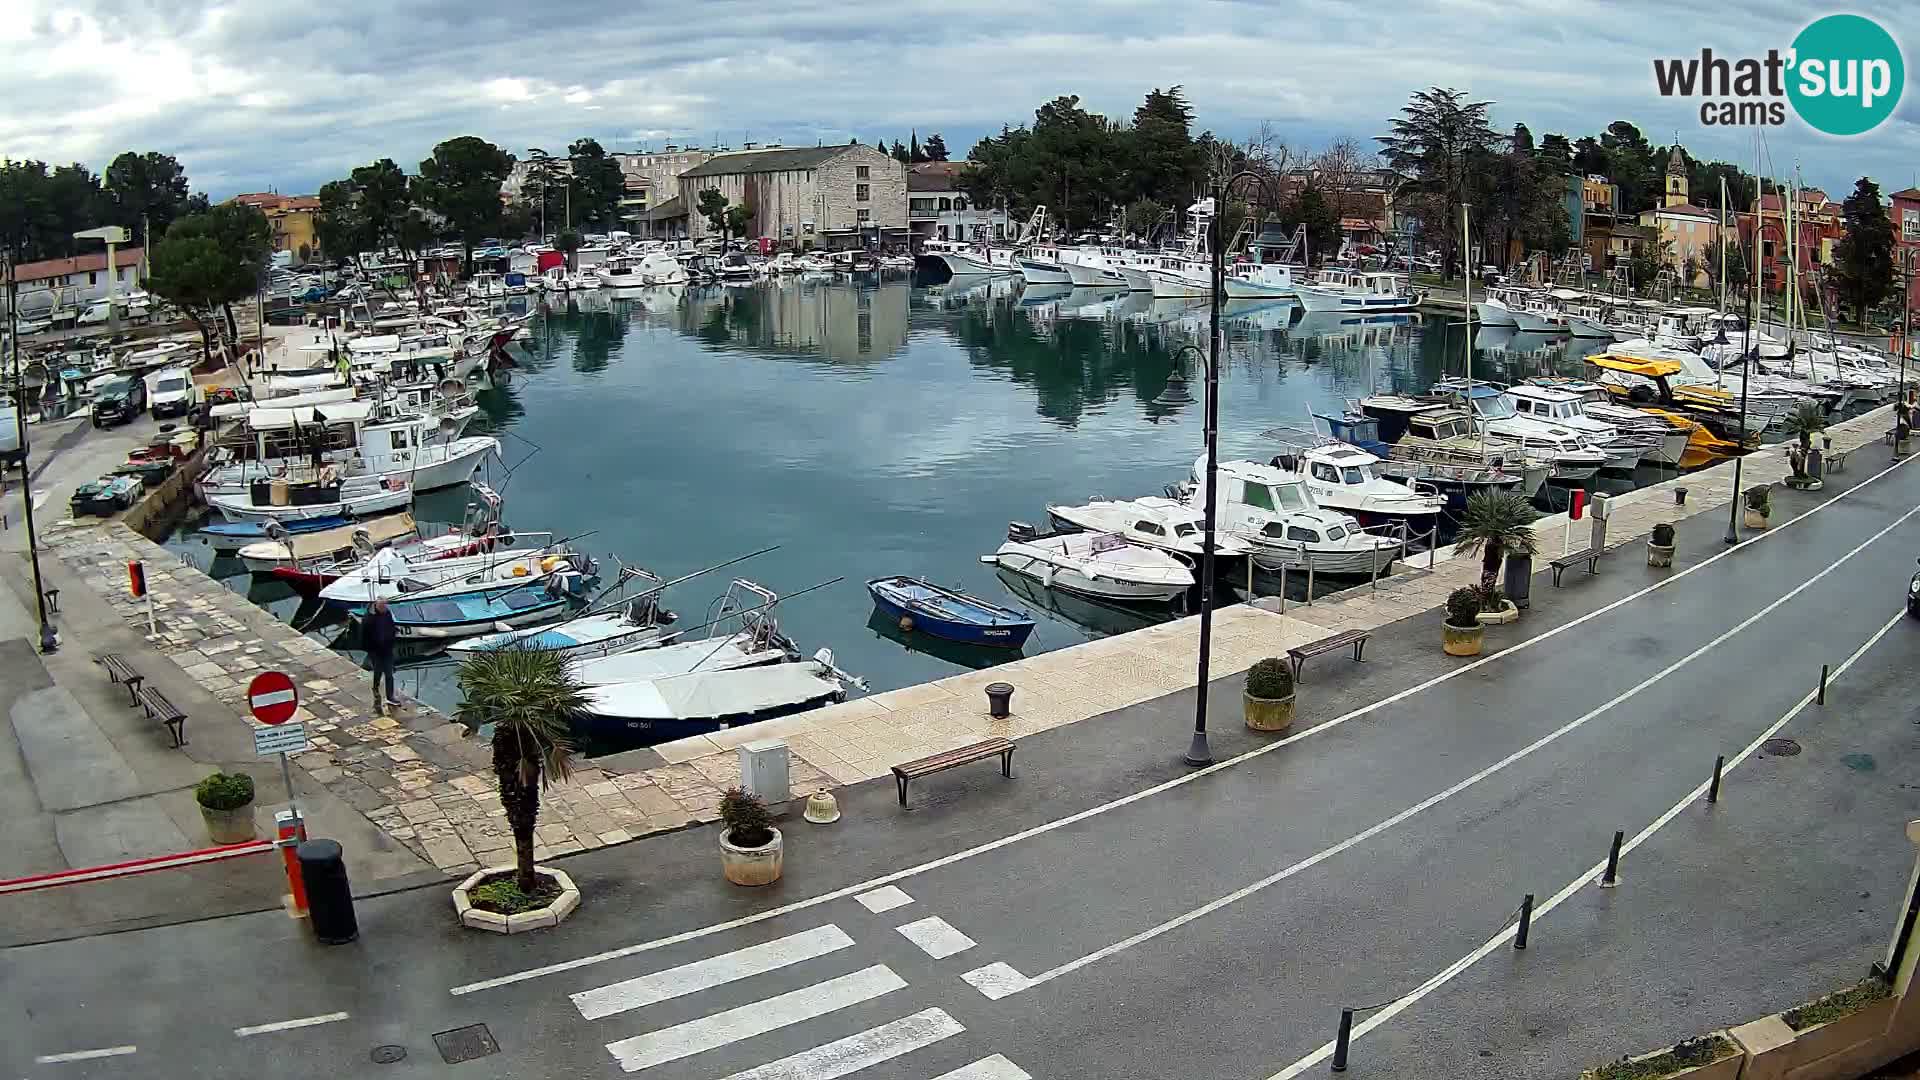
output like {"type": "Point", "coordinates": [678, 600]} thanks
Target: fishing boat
{"type": "Point", "coordinates": [225, 536]}
{"type": "Point", "coordinates": [1275, 513]}
{"type": "Point", "coordinates": [1573, 458]}
{"type": "Point", "coordinates": [1454, 479]}
{"type": "Point", "coordinates": [1565, 408]}
{"type": "Point", "coordinates": [917, 605]}
{"type": "Point", "coordinates": [1043, 266]}
{"type": "Point", "coordinates": [1357, 291]}
{"type": "Point", "coordinates": [1101, 565]}
{"type": "Point", "coordinates": [1343, 477]}
{"type": "Point", "coordinates": [1671, 440]}
{"type": "Point", "coordinates": [389, 575]}
{"type": "Point", "coordinates": [283, 548]}
{"type": "Point", "coordinates": [1261, 281]}
{"type": "Point", "coordinates": [496, 608]}
{"type": "Point", "coordinates": [1496, 308]}
{"type": "Point", "coordinates": [1152, 521]}
{"type": "Point", "coordinates": [1093, 266]}
{"type": "Point", "coordinates": [325, 497]}
{"type": "Point", "coordinates": [638, 624]}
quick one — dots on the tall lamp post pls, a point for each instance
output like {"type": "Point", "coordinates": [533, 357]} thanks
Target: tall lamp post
{"type": "Point", "coordinates": [1900, 415]}
{"type": "Point", "coordinates": [49, 640]}
{"type": "Point", "coordinates": [1746, 378]}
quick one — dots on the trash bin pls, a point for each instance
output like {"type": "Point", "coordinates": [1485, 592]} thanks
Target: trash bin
{"type": "Point", "coordinates": [329, 897]}
{"type": "Point", "coordinates": [1518, 584]}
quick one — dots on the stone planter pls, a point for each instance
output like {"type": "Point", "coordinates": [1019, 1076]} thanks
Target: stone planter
{"type": "Point", "coordinates": [751, 866]}
{"type": "Point", "coordinates": [1726, 1068]}
{"type": "Point", "coordinates": [1507, 613]}
{"type": "Point", "coordinates": [1852, 1045]}
{"type": "Point", "coordinates": [1805, 483]}
{"type": "Point", "coordinates": [1268, 714]}
{"type": "Point", "coordinates": [1462, 640]}
{"type": "Point", "coordinates": [1754, 519]}
{"type": "Point", "coordinates": [1659, 555]}
{"type": "Point", "coordinates": [229, 826]}
{"type": "Point", "coordinates": [538, 919]}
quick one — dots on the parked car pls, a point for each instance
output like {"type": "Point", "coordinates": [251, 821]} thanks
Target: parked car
{"type": "Point", "coordinates": [172, 393]}
{"type": "Point", "coordinates": [118, 400]}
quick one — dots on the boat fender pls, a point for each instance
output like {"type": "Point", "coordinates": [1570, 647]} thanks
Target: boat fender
{"type": "Point", "coordinates": [906, 624]}
{"type": "Point", "coordinates": [520, 570]}
{"type": "Point", "coordinates": [547, 564]}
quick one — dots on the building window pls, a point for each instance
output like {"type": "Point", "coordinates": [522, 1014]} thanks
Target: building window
{"type": "Point", "coordinates": [93, 277]}
{"type": "Point", "coordinates": [862, 192]}
{"type": "Point", "coordinates": [864, 215]}
{"type": "Point", "coordinates": [808, 226]}
{"type": "Point", "coordinates": [946, 204]}
{"type": "Point", "coordinates": [862, 172]}
{"type": "Point", "coordinates": [1910, 224]}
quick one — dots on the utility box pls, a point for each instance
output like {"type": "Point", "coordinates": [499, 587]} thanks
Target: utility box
{"type": "Point", "coordinates": [763, 770]}
{"type": "Point", "coordinates": [1602, 510]}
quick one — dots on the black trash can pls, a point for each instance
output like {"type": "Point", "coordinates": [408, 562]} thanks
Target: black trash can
{"type": "Point", "coordinates": [1519, 581]}
{"type": "Point", "coordinates": [329, 897]}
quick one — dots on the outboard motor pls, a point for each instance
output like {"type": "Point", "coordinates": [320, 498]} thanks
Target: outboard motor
{"type": "Point", "coordinates": [1020, 532]}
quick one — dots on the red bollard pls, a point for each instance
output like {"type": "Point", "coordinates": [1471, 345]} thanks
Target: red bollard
{"type": "Point", "coordinates": [290, 829]}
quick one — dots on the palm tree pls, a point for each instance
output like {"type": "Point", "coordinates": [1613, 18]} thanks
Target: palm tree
{"type": "Point", "coordinates": [1495, 526]}
{"type": "Point", "coordinates": [531, 698]}
{"type": "Point", "coordinates": [1806, 420]}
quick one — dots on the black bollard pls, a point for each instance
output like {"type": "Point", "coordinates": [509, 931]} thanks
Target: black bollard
{"type": "Point", "coordinates": [1713, 793]}
{"type": "Point", "coordinates": [1823, 684]}
{"type": "Point", "coordinates": [1526, 922]}
{"type": "Point", "coordinates": [1612, 877]}
{"type": "Point", "coordinates": [329, 897]}
{"type": "Point", "coordinates": [999, 700]}
{"type": "Point", "coordinates": [1341, 1040]}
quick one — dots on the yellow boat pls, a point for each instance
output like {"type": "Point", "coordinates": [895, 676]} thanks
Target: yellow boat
{"type": "Point", "coordinates": [1651, 388]}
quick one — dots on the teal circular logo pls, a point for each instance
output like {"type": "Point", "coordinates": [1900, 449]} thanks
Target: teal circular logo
{"type": "Point", "coordinates": [1846, 75]}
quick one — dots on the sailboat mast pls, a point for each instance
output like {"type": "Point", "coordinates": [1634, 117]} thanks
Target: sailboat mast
{"type": "Point", "coordinates": [1723, 247]}
{"type": "Point", "coordinates": [1466, 266]}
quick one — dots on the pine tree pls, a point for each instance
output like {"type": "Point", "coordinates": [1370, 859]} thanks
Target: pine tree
{"type": "Point", "coordinates": [915, 155]}
{"type": "Point", "coordinates": [1863, 260]}
{"type": "Point", "coordinates": [936, 147]}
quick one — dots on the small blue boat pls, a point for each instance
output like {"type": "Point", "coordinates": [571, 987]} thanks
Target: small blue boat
{"type": "Point", "coordinates": [480, 612]}
{"type": "Point", "coordinates": [234, 535]}
{"type": "Point", "coordinates": [922, 606]}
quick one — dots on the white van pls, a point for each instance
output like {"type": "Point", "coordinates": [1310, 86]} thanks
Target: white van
{"type": "Point", "coordinates": [170, 392]}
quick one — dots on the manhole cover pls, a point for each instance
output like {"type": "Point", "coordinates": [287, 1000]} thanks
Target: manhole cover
{"type": "Point", "coordinates": [465, 1043]}
{"type": "Point", "coordinates": [387, 1055]}
{"type": "Point", "coordinates": [1779, 748]}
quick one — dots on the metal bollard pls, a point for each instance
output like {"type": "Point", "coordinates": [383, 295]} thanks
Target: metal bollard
{"type": "Point", "coordinates": [1526, 922]}
{"type": "Point", "coordinates": [329, 896]}
{"type": "Point", "coordinates": [1823, 685]}
{"type": "Point", "coordinates": [1433, 545]}
{"type": "Point", "coordinates": [1309, 577]}
{"type": "Point", "coordinates": [999, 700]}
{"type": "Point", "coordinates": [1612, 877]}
{"type": "Point", "coordinates": [1373, 579]}
{"type": "Point", "coordinates": [290, 831]}
{"type": "Point", "coordinates": [1283, 586]}
{"type": "Point", "coordinates": [1713, 792]}
{"type": "Point", "coordinates": [1341, 1040]}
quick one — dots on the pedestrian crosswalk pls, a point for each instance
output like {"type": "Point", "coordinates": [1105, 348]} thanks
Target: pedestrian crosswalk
{"type": "Point", "coordinates": [726, 1033]}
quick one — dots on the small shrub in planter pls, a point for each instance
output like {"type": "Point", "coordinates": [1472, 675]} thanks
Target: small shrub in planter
{"type": "Point", "coordinates": [1268, 700]}
{"type": "Point", "coordinates": [1462, 634]}
{"type": "Point", "coordinates": [1683, 1055]}
{"type": "Point", "coordinates": [501, 894]}
{"type": "Point", "coordinates": [226, 805]}
{"type": "Point", "coordinates": [750, 847]}
{"type": "Point", "coordinates": [1663, 534]}
{"type": "Point", "coordinates": [1759, 499]}
{"type": "Point", "coordinates": [1660, 546]}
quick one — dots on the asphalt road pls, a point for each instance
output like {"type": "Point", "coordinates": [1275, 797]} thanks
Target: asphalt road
{"type": "Point", "coordinates": [1184, 924]}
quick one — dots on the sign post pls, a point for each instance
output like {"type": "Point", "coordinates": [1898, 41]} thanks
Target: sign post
{"type": "Point", "coordinates": [272, 697]}
{"type": "Point", "coordinates": [137, 585]}
{"type": "Point", "coordinates": [1575, 509]}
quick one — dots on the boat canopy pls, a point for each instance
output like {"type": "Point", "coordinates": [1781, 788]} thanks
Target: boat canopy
{"type": "Point", "coordinates": [699, 695]}
{"type": "Point", "coordinates": [345, 412]}
{"type": "Point", "coordinates": [1652, 369]}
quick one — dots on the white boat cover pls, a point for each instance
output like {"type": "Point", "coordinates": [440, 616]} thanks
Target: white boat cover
{"type": "Point", "coordinates": [380, 530]}
{"type": "Point", "coordinates": [303, 399]}
{"type": "Point", "coordinates": [707, 694]}
{"type": "Point", "coordinates": [343, 412]}
{"type": "Point", "coordinates": [669, 661]}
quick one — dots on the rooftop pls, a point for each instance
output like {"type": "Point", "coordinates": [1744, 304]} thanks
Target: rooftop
{"type": "Point", "coordinates": [79, 264]}
{"type": "Point", "coordinates": [935, 175]}
{"type": "Point", "coordinates": [764, 161]}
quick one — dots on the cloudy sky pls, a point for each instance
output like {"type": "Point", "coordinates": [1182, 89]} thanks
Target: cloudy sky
{"type": "Point", "coordinates": [252, 94]}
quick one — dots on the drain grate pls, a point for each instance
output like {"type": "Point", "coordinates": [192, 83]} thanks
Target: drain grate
{"type": "Point", "coordinates": [465, 1043]}
{"type": "Point", "coordinates": [1780, 748]}
{"type": "Point", "coordinates": [388, 1054]}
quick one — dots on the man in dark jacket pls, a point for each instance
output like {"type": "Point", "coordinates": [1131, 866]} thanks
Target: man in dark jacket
{"type": "Point", "coordinates": [380, 634]}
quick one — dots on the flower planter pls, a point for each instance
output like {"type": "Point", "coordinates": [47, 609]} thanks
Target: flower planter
{"type": "Point", "coordinates": [229, 826]}
{"type": "Point", "coordinates": [1754, 519]}
{"type": "Point", "coordinates": [553, 914]}
{"type": "Point", "coordinates": [1659, 555]}
{"type": "Point", "coordinates": [1462, 640]}
{"type": "Point", "coordinates": [1268, 714]}
{"type": "Point", "coordinates": [1725, 1068]}
{"type": "Point", "coordinates": [1805, 483]}
{"type": "Point", "coordinates": [751, 866]}
{"type": "Point", "coordinates": [1507, 613]}
{"type": "Point", "coordinates": [1852, 1045]}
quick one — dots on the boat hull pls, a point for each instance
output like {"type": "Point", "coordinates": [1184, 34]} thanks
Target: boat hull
{"type": "Point", "coordinates": [650, 730]}
{"type": "Point", "coordinates": [1085, 276]}
{"type": "Point", "coordinates": [1491, 314]}
{"type": "Point", "coordinates": [1137, 280]}
{"type": "Point", "coordinates": [964, 633]}
{"type": "Point", "coordinates": [360, 507]}
{"type": "Point", "coordinates": [1169, 286]}
{"type": "Point", "coordinates": [1361, 563]}
{"type": "Point", "coordinates": [1044, 272]}
{"type": "Point", "coordinates": [1329, 300]}
{"type": "Point", "coordinates": [1533, 323]}
{"type": "Point", "coordinates": [1586, 328]}
{"type": "Point", "coordinates": [1069, 580]}
{"type": "Point", "coordinates": [1242, 289]}
{"type": "Point", "coordinates": [961, 264]}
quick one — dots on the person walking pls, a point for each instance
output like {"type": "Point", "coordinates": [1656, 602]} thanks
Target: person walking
{"type": "Point", "coordinates": [380, 634]}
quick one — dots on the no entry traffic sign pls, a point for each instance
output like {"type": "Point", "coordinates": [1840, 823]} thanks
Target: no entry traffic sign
{"type": "Point", "coordinates": [272, 697]}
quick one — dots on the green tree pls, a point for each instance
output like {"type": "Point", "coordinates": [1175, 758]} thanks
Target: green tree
{"type": "Point", "coordinates": [1555, 154]}
{"type": "Point", "coordinates": [416, 232]}
{"type": "Point", "coordinates": [567, 243]}
{"type": "Point", "coordinates": [598, 183]}
{"type": "Point", "coordinates": [341, 224]}
{"type": "Point", "coordinates": [900, 153]}
{"type": "Point", "coordinates": [1143, 216]}
{"type": "Point", "coordinates": [1164, 163]}
{"type": "Point", "coordinates": [244, 240]}
{"type": "Point", "coordinates": [915, 155]}
{"type": "Point", "coordinates": [530, 698]}
{"type": "Point", "coordinates": [192, 274]}
{"type": "Point", "coordinates": [385, 198]}
{"type": "Point", "coordinates": [739, 221]}
{"type": "Point", "coordinates": [1633, 166]}
{"type": "Point", "coordinates": [712, 205]}
{"type": "Point", "coordinates": [1434, 142]}
{"type": "Point", "coordinates": [1736, 275]}
{"type": "Point", "coordinates": [1310, 208]}
{"type": "Point", "coordinates": [935, 147]}
{"type": "Point", "coordinates": [461, 182]}
{"type": "Point", "coordinates": [1863, 260]}
{"type": "Point", "coordinates": [1497, 524]}
{"type": "Point", "coordinates": [147, 191]}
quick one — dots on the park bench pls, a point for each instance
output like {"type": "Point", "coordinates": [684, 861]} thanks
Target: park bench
{"type": "Point", "coordinates": [1574, 558]}
{"type": "Point", "coordinates": [1836, 460]}
{"type": "Point", "coordinates": [159, 708]}
{"type": "Point", "coordinates": [951, 759]}
{"type": "Point", "coordinates": [1299, 654]}
{"type": "Point", "coordinates": [121, 672]}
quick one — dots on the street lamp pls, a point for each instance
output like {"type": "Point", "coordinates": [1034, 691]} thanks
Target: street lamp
{"type": "Point", "coordinates": [49, 640]}
{"type": "Point", "coordinates": [1906, 347]}
{"type": "Point", "coordinates": [1746, 378]}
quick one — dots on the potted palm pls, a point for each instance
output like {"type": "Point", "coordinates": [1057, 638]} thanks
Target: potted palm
{"type": "Point", "coordinates": [750, 847]}
{"type": "Point", "coordinates": [1497, 526]}
{"type": "Point", "coordinates": [530, 698]}
{"type": "Point", "coordinates": [1268, 698]}
{"type": "Point", "coordinates": [1462, 634]}
{"type": "Point", "coordinates": [1660, 546]}
{"type": "Point", "coordinates": [1759, 504]}
{"type": "Point", "coordinates": [1804, 422]}
{"type": "Point", "coordinates": [226, 805]}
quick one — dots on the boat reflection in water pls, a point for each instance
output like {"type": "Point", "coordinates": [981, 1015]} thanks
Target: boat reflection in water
{"type": "Point", "coordinates": [1089, 618]}
{"type": "Point", "coordinates": [953, 652]}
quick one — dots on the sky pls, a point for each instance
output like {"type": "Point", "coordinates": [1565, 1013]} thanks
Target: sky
{"type": "Point", "coordinates": [252, 95]}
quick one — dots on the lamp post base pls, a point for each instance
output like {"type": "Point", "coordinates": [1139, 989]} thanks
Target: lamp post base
{"type": "Point", "coordinates": [1199, 753]}
{"type": "Point", "coordinates": [49, 639]}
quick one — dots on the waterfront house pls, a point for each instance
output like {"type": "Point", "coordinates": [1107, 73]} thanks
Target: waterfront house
{"type": "Point", "coordinates": [938, 210]}
{"type": "Point", "coordinates": [72, 284]}
{"type": "Point", "coordinates": [1593, 211]}
{"type": "Point", "coordinates": [290, 222]}
{"type": "Point", "coordinates": [1682, 231]}
{"type": "Point", "coordinates": [1905, 215]}
{"type": "Point", "coordinates": [834, 197]}
{"type": "Point", "coordinates": [652, 184]}
{"type": "Point", "coordinates": [1817, 223]}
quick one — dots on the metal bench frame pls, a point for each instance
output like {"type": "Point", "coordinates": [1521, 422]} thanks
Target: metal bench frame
{"type": "Point", "coordinates": [1300, 654]}
{"type": "Point", "coordinates": [159, 708]}
{"type": "Point", "coordinates": [1561, 564]}
{"type": "Point", "coordinates": [119, 672]}
{"type": "Point", "coordinates": [953, 759]}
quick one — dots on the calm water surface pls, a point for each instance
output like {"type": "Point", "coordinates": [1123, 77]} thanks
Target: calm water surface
{"type": "Point", "coordinates": [886, 429]}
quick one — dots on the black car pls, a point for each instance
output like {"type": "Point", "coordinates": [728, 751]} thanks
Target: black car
{"type": "Point", "coordinates": [118, 400]}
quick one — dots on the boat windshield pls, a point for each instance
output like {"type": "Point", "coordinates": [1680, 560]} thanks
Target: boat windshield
{"type": "Point", "coordinates": [1336, 532]}
{"type": "Point", "coordinates": [1356, 474]}
{"type": "Point", "coordinates": [1293, 496]}
{"type": "Point", "coordinates": [1185, 528]}
{"type": "Point", "coordinates": [1494, 406]}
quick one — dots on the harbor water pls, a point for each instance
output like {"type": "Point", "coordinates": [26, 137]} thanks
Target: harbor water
{"type": "Point", "coordinates": [882, 428]}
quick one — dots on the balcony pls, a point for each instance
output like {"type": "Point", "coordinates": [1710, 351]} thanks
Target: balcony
{"type": "Point", "coordinates": [914, 214]}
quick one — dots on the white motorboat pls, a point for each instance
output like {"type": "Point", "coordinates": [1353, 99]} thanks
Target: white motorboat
{"type": "Point", "coordinates": [1276, 514]}
{"type": "Point", "coordinates": [1572, 457]}
{"type": "Point", "coordinates": [326, 546]}
{"type": "Point", "coordinates": [1357, 291]}
{"type": "Point", "coordinates": [1094, 266]}
{"type": "Point", "coordinates": [1261, 281]}
{"type": "Point", "coordinates": [1100, 565]}
{"type": "Point", "coordinates": [486, 286]}
{"type": "Point", "coordinates": [286, 443]}
{"type": "Point", "coordinates": [1151, 521]}
{"type": "Point", "coordinates": [1566, 409]}
{"type": "Point", "coordinates": [786, 263]}
{"type": "Point", "coordinates": [1343, 477]}
{"type": "Point", "coordinates": [1041, 265]}
{"type": "Point", "coordinates": [1670, 441]}
{"type": "Point", "coordinates": [640, 623]}
{"type": "Point", "coordinates": [281, 500]}
{"type": "Point", "coordinates": [1173, 276]}
{"type": "Point", "coordinates": [390, 575]}
{"type": "Point", "coordinates": [1494, 309]}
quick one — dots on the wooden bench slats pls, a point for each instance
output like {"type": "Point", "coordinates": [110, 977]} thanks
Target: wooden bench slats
{"type": "Point", "coordinates": [948, 759]}
{"type": "Point", "coordinates": [121, 672]}
{"type": "Point", "coordinates": [1574, 558]}
{"type": "Point", "coordinates": [159, 708]}
{"type": "Point", "coordinates": [1299, 654]}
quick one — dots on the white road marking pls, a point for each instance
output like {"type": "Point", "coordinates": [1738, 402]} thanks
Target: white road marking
{"type": "Point", "coordinates": [289, 1025]}
{"type": "Point", "coordinates": [936, 937]}
{"type": "Point", "coordinates": [1430, 801]}
{"type": "Point", "coordinates": [996, 980]}
{"type": "Point", "coordinates": [1146, 793]}
{"type": "Point", "coordinates": [988, 1068]}
{"type": "Point", "coordinates": [755, 1018]}
{"type": "Point", "coordinates": [711, 972]}
{"type": "Point", "coordinates": [884, 899]}
{"type": "Point", "coordinates": [1452, 970]}
{"type": "Point", "coordinates": [84, 1055]}
{"type": "Point", "coordinates": [829, 1061]}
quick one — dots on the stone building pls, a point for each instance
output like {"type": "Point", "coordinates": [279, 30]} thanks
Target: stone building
{"type": "Point", "coordinates": [1682, 232]}
{"type": "Point", "coordinates": [652, 182]}
{"type": "Point", "coordinates": [938, 210]}
{"type": "Point", "coordinates": [290, 222]}
{"type": "Point", "coordinates": [820, 196]}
